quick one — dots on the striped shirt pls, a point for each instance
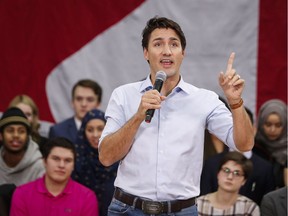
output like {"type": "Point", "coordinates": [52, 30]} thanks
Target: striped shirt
{"type": "Point", "coordinates": [242, 207]}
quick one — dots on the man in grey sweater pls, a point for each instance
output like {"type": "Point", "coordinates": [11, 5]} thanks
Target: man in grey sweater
{"type": "Point", "coordinates": [20, 158]}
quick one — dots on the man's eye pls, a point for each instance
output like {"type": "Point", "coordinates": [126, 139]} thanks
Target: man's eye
{"type": "Point", "coordinates": [91, 99]}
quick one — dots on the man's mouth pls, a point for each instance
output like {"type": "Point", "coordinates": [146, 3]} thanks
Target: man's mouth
{"type": "Point", "coordinates": [166, 61]}
{"type": "Point", "coordinates": [15, 143]}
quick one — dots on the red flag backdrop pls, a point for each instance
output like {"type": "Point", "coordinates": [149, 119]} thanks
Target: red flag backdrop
{"type": "Point", "coordinates": [39, 37]}
{"type": "Point", "coordinates": [272, 52]}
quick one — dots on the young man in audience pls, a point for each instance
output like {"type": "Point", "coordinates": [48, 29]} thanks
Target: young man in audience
{"type": "Point", "coordinates": [86, 95]}
{"type": "Point", "coordinates": [55, 193]}
{"type": "Point", "coordinates": [20, 158]}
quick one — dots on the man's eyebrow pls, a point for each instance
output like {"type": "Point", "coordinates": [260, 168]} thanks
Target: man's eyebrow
{"type": "Point", "coordinates": [161, 38]}
{"type": "Point", "coordinates": [57, 156]}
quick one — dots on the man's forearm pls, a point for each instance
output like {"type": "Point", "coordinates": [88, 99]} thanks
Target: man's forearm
{"type": "Point", "coordinates": [115, 146]}
{"type": "Point", "coordinates": [243, 132]}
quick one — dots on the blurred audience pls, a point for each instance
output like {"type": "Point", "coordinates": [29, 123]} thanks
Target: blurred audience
{"type": "Point", "coordinates": [20, 158]}
{"type": "Point", "coordinates": [271, 137]}
{"type": "Point", "coordinates": [257, 185]}
{"type": "Point", "coordinates": [55, 193]}
{"type": "Point", "coordinates": [30, 109]}
{"type": "Point", "coordinates": [6, 192]}
{"type": "Point", "coordinates": [233, 171]}
{"type": "Point", "coordinates": [86, 95]}
{"type": "Point", "coordinates": [89, 171]}
{"type": "Point", "coordinates": [275, 203]}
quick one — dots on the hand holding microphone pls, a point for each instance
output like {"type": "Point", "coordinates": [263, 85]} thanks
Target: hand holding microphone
{"type": "Point", "coordinates": [159, 80]}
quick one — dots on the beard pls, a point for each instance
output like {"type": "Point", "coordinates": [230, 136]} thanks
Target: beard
{"type": "Point", "coordinates": [16, 151]}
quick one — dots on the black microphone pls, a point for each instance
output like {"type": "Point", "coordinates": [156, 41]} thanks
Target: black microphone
{"type": "Point", "coordinates": [159, 80]}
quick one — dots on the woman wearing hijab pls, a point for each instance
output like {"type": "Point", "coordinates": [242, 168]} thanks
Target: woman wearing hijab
{"type": "Point", "coordinates": [88, 170]}
{"type": "Point", "coordinates": [271, 137]}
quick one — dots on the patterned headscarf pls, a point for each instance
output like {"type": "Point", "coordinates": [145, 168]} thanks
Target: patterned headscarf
{"type": "Point", "coordinates": [88, 170]}
{"type": "Point", "coordinates": [278, 147]}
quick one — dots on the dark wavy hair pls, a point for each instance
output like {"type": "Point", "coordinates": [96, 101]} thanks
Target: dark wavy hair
{"type": "Point", "coordinates": [161, 22]}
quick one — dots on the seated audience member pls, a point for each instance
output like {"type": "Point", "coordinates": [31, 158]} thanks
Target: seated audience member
{"type": "Point", "coordinates": [30, 109]}
{"type": "Point", "coordinates": [233, 171]}
{"type": "Point", "coordinates": [55, 193]}
{"type": "Point", "coordinates": [20, 158]}
{"type": "Point", "coordinates": [271, 137]}
{"type": "Point", "coordinates": [89, 171]}
{"type": "Point", "coordinates": [275, 203]}
{"type": "Point", "coordinates": [257, 185]}
{"type": "Point", "coordinates": [6, 192]}
{"type": "Point", "coordinates": [86, 95]}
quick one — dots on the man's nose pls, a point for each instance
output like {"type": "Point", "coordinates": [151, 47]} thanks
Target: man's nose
{"type": "Point", "coordinates": [61, 163]}
{"type": "Point", "coordinates": [16, 134]}
{"type": "Point", "coordinates": [167, 50]}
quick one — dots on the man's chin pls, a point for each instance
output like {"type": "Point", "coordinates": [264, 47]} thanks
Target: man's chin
{"type": "Point", "coordinates": [15, 150]}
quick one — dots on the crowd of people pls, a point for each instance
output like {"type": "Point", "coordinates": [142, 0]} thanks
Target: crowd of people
{"type": "Point", "coordinates": [115, 163]}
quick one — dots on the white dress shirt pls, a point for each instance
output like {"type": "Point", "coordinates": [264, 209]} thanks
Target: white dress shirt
{"type": "Point", "coordinates": [165, 160]}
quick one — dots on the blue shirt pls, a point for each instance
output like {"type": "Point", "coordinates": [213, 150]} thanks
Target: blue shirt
{"type": "Point", "coordinates": [165, 160]}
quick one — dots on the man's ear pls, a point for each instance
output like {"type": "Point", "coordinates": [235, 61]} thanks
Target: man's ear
{"type": "Point", "coordinates": [145, 53]}
{"type": "Point", "coordinates": [44, 162]}
{"type": "Point", "coordinates": [98, 105]}
{"type": "Point", "coordinates": [72, 104]}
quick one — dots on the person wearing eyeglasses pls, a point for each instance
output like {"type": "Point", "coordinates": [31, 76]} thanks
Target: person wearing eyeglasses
{"type": "Point", "coordinates": [234, 169]}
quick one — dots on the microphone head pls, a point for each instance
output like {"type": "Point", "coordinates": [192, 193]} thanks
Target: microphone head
{"type": "Point", "coordinates": [161, 75]}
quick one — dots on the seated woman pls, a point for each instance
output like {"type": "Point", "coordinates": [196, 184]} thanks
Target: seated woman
{"type": "Point", "coordinates": [88, 170]}
{"type": "Point", "coordinates": [234, 169]}
{"type": "Point", "coordinates": [271, 137]}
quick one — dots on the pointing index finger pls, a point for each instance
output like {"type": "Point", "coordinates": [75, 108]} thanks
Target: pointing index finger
{"type": "Point", "coordinates": [230, 62]}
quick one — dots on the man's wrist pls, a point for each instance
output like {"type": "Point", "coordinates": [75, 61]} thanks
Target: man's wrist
{"type": "Point", "coordinates": [236, 105]}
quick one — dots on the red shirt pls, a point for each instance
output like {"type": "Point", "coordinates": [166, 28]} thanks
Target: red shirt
{"type": "Point", "coordinates": [34, 199]}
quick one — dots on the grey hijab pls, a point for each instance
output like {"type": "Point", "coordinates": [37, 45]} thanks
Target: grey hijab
{"type": "Point", "coordinates": [278, 147]}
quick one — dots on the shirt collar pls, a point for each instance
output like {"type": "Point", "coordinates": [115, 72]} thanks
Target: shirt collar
{"type": "Point", "coordinates": [146, 84]}
{"type": "Point", "coordinates": [42, 187]}
{"type": "Point", "coordinates": [182, 86]}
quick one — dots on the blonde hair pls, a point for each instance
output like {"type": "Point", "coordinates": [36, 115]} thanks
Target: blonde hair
{"type": "Point", "coordinates": [25, 99]}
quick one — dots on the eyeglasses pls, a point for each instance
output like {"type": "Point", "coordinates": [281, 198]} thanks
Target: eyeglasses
{"type": "Point", "coordinates": [235, 173]}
